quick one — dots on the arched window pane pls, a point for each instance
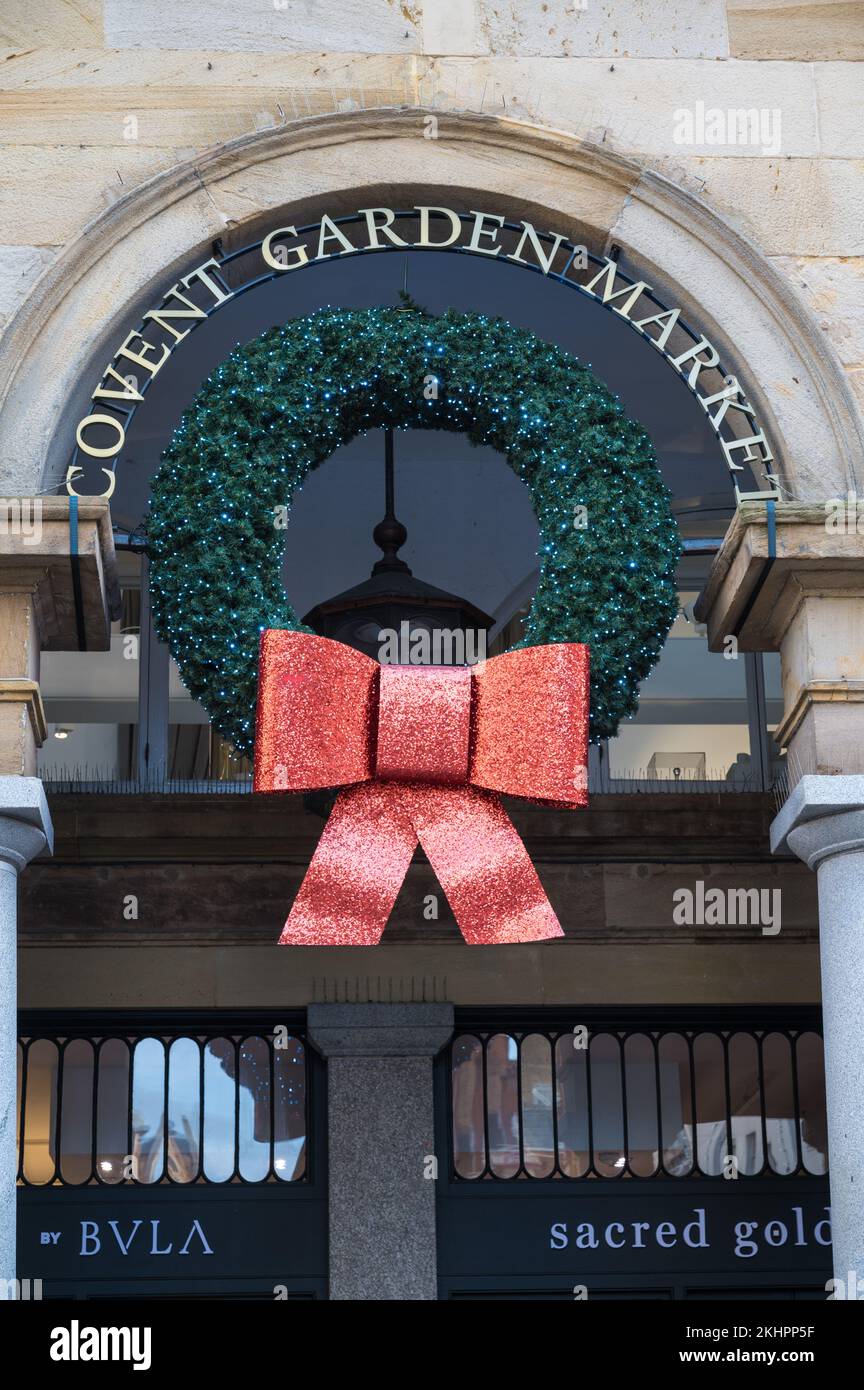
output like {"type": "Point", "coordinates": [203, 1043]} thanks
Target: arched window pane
{"type": "Point", "coordinates": [289, 1080]}
{"type": "Point", "coordinates": [607, 1110]}
{"type": "Point", "coordinates": [502, 1099]}
{"type": "Point", "coordinates": [76, 1114]}
{"type": "Point", "coordinates": [254, 1126]}
{"type": "Point", "coordinates": [711, 1135]}
{"type": "Point", "coordinates": [641, 1077]}
{"type": "Point", "coordinates": [148, 1110]}
{"type": "Point", "coordinates": [538, 1135]}
{"type": "Point", "coordinates": [780, 1125]}
{"type": "Point", "coordinates": [220, 1098]}
{"type": "Point", "coordinates": [811, 1102]}
{"type": "Point", "coordinates": [676, 1104]}
{"type": "Point", "coordinates": [745, 1103]}
{"type": "Point", "coordinates": [184, 1109]}
{"type": "Point", "coordinates": [112, 1110]}
{"type": "Point", "coordinates": [40, 1117]}
{"type": "Point", "coordinates": [469, 1144]}
{"type": "Point", "coordinates": [571, 1074]}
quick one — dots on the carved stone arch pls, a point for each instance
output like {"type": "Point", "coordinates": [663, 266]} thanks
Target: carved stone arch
{"type": "Point", "coordinates": [95, 291]}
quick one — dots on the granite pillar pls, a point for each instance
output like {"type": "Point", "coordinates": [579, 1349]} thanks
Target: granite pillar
{"type": "Point", "coordinates": [823, 823]}
{"type": "Point", "coordinates": [381, 1145]}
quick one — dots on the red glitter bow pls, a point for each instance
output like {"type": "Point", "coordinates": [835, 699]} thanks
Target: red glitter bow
{"type": "Point", "coordinates": [420, 752]}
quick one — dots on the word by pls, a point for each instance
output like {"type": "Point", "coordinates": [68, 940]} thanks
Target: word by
{"type": "Point", "coordinates": [733, 907]}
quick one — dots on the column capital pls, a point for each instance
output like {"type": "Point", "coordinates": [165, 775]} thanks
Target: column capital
{"type": "Point", "coordinates": [823, 816]}
{"type": "Point", "coordinates": [25, 821]}
{"type": "Point", "coordinates": [62, 561]}
{"type": "Point", "coordinates": [379, 1030]}
{"type": "Point", "coordinates": [770, 562]}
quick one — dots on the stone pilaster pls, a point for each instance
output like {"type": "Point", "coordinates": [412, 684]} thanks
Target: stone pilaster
{"type": "Point", "coordinates": [380, 1142]}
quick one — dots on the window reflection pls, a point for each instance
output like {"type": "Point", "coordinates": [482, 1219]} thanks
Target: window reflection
{"type": "Point", "coordinates": [811, 1103]}
{"type": "Point", "coordinates": [220, 1100]}
{"type": "Point", "coordinates": [289, 1112]}
{"type": "Point", "coordinates": [131, 1110]}
{"type": "Point", "coordinates": [711, 1133]}
{"type": "Point", "coordinates": [535, 1062]}
{"type": "Point", "coordinates": [502, 1105]}
{"type": "Point", "coordinates": [745, 1103]}
{"type": "Point", "coordinates": [615, 1105]}
{"type": "Point", "coordinates": [469, 1145]}
{"type": "Point", "coordinates": [148, 1110]}
{"type": "Point", "coordinates": [607, 1105]}
{"type": "Point", "coordinates": [40, 1111]}
{"type": "Point", "coordinates": [676, 1094]}
{"type": "Point", "coordinates": [254, 1122]}
{"type": "Point", "coordinates": [76, 1115]}
{"type": "Point", "coordinates": [780, 1124]}
{"type": "Point", "coordinates": [184, 1109]}
{"type": "Point", "coordinates": [640, 1071]}
{"type": "Point", "coordinates": [571, 1066]}
{"type": "Point", "coordinates": [112, 1111]}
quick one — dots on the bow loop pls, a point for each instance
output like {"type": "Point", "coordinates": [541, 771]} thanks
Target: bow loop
{"type": "Point", "coordinates": [316, 703]}
{"type": "Point", "coordinates": [531, 724]}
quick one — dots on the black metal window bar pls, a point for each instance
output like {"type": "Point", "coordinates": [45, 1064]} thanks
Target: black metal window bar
{"type": "Point", "coordinates": [609, 1103]}
{"type": "Point", "coordinates": [196, 1105]}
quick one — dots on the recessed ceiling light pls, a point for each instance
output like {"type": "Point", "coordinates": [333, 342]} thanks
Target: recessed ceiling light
{"type": "Point", "coordinates": [62, 733]}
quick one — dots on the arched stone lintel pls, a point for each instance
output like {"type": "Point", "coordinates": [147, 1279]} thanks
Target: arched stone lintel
{"type": "Point", "coordinates": [126, 258]}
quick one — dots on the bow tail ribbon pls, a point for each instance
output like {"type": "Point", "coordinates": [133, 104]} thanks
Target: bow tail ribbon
{"type": "Point", "coordinates": [367, 846]}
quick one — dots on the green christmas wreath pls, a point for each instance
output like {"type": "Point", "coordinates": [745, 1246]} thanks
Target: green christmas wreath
{"type": "Point", "coordinates": [280, 405]}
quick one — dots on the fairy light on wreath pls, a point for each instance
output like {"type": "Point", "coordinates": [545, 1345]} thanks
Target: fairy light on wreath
{"type": "Point", "coordinates": [282, 404]}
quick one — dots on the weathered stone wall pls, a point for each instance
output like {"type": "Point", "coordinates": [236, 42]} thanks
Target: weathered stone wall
{"type": "Point", "coordinates": [212, 878]}
{"type": "Point", "coordinates": [97, 97]}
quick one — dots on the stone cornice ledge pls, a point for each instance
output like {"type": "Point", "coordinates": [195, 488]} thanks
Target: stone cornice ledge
{"type": "Point", "coordinates": [748, 592]}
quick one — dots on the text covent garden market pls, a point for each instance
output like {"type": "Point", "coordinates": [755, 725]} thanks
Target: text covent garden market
{"type": "Point", "coordinates": [102, 435]}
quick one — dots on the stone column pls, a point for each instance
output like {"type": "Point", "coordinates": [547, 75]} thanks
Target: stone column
{"type": "Point", "coordinates": [380, 1125]}
{"type": "Point", "coordinates": [25, 830]}
{"type": "Point", "coordinates": [823, 823]}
